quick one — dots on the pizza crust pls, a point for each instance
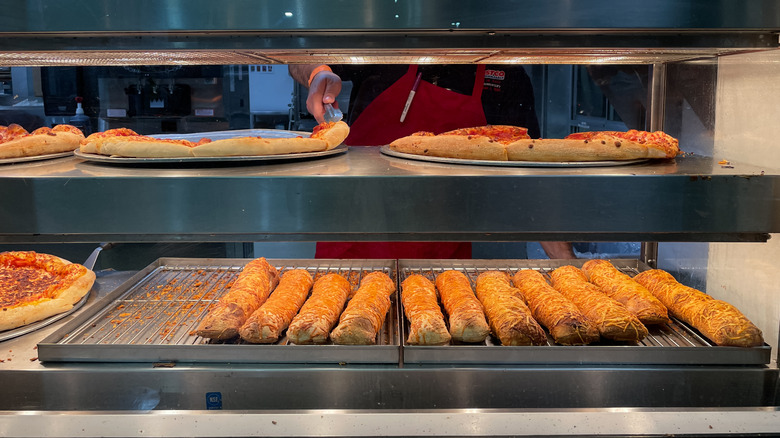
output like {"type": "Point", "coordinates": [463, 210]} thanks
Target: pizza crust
{"type": "Point", "coordinates": [452, 146]}
{"type": "Point", "coordinates": [18, 316]}
{"type": "Point", "coordinates": [334, 135]}
{"type": "Point", "coordinates": [558, 150]}
{"type": "Point", "coordinates": [40, 144]}
{"type": "Point", "coordinates": [476, 147]}
{"type": "Point", "coordinates": [124, 147]}
{"type": "Point", "coordinates": [251, 146]}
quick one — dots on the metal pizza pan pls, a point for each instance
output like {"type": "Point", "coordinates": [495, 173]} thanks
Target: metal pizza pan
{"type": "Point", "coordinates": [387, 151]}
{"type": "Point", "coordinates": [35, 158]}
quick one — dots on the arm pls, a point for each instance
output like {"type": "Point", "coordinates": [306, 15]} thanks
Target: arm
{"type": "Point", "coordinates": [558, 250]}
{"type": "Point", "coordinates": [324, 87]}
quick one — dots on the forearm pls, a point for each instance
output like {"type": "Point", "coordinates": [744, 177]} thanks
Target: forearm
{"type": "Point", "coordinates": [301, 72]}
{"type": "Point", "coordinates": [558, 250]}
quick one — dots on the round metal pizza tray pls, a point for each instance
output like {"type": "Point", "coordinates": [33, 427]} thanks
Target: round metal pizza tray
{"type": "Point", "coordinates": [255, 159]}
{"type": "Point", "coordinates": [29, 328]}
{"type": "Point", "coordinates": [387, 151]}
{"type": "Point", "coordinates": [35, 158]}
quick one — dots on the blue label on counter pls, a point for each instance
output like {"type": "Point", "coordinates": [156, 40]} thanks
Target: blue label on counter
{"type": "Point", "coordinates": [213, 400]}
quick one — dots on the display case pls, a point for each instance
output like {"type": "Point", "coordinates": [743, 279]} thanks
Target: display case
{"type": "Point", "coordinates": [723, 193]}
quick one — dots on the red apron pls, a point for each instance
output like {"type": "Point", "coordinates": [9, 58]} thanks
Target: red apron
{"type": "Point", "coordinates": [433, 109]}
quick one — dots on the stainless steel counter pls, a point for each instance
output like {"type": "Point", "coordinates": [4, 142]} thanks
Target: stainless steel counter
{"type": "Point", "coordinates": [144, 399]}
{"type": "Point", "coordinates": [364, 195]}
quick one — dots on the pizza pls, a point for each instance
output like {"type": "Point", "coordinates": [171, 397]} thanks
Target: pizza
{"type": "Point", "coordinates": [476, 143]}
{"type": "Point", "coordinates": [35, 286]}
{"type": "Point", "coordinates": [123, 142]}
{"type": "Point", "coordinates": [511, 143]}
{"type": "Point", "coordinates": [16, 142]}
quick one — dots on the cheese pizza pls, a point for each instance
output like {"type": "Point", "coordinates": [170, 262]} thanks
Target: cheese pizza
{"type": "Point", "coordinates": [124, 142]}
{"type": "Point", "coordinates": [35, 286]}
{"type": "Point", "coordinates": [16, 142]}
{"type": "Point", "coordinates": [510, 143]}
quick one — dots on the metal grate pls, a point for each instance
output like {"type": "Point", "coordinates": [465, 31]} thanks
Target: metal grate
{"type": "Point", "coordinates": [351, 56]}
{"type": "Point", "coordinates": [672, 343]}
{"type": "Point", "coordinates": [154, 317]}
{"type": "Point", "coordinates": [129, 58]}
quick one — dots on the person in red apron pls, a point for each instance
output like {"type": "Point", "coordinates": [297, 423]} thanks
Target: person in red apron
{"type": "Point", "coordinates": [434, 108]}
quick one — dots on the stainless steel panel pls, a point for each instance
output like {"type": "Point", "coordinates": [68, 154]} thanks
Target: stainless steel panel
{"type": "Point", "coordinates": [461, 423]}
{"type": "Point", "coordinates": [203, 15]}
{"type": "Point", "coordinates": [364, 195]}
{"type": "Point", "coordinates": [153, 317]}
{"type": "Point", "coordinates": [28, 384]}
{"type": "Point", "coordinates": [249, 32]}
{"type": "Point", "coordinates": [666, 344]}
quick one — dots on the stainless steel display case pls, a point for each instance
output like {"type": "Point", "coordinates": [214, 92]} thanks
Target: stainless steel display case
{"type": "Point", "coordinates": [68, 200]}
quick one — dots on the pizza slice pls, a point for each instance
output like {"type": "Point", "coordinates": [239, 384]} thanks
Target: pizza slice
{"type": "Point", "coordinates": [659, 143]}
{"type": "Point", "coordinates": [510, 143]}
{"type": "Point", "coordinates": [16, 142]}
{"type": "Point", "coordinates": [477, 143]}
{"type": "Point", "coordinates": [125, 142]}
{"type": "Point", "coordinates": [324, 137]}
{"type": "Point", "coordinates": [35, 286]}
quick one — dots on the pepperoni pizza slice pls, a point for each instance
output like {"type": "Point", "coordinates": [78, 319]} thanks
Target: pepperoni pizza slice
{"type": "Point", "coordinates": [16, 142]}
{"type": "Point", "coordinates": [35, 286]}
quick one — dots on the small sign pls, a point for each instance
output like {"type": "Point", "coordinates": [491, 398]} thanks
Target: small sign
{"type": "Point", "coordinates": [213, 400]}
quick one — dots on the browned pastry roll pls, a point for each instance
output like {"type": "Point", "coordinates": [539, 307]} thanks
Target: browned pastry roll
{"type": "Point", "coordinates": [566, 323]}
{"type": "Point", "coordinates": [321, 311]}
{"type": "Point", "coordinates": [247, 294]}
{"type": "Point", "coordinates": [509, 317]}
{"type": "Point", "coordinates": [365, 312]}
{"type": "Point", "coordinates": [611, 318]}
{"type": "Point", "coordinates": [421, 307]}
{"type": "Point", "coordinates": [465, 312]}
{"type": "Point", "coordinates": [718, 320]}
{"type": "Point", "coordinates": [266, 324]}
{"type": "Point", "coordinates": [622, 288]}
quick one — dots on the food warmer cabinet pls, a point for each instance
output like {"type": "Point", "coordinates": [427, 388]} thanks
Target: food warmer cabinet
{"type": "Point", "coordinates": [364, 195]}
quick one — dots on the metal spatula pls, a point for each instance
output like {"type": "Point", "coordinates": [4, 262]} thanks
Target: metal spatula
{"type": "Point", "coordinates": [332, 114]}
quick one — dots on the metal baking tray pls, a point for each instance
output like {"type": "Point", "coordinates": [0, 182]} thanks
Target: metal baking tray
{"type": "Point", "coordinates": [153, 316]}
{"type": "Point", "coordinates": [36, 158]}
{"type": "Point", "coordinates": [239, 159]}
{"type": "Point", "coordinates": [667, 344]}
{"type": "Point", "coordinates": [604, 163]}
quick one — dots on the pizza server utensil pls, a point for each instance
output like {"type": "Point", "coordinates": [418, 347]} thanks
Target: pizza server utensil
{"type": "Point", "coordinates": [29, 328]}
{"type": "Point", "coordinates": [332, 114]}
{"type": "Point", "coordinates": [90, 262]}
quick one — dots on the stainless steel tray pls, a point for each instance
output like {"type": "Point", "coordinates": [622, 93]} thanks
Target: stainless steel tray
{"type": "Point", "coordinates": [387, 151]}
{"type": "Point", "coordinates": [240, 159]}
{"type": "Point", "coordinates": [35, 158]}
{"type": "Point", "coordinates": [667, 344]}
{"type": "Point", "coordinates": [152, 318]}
